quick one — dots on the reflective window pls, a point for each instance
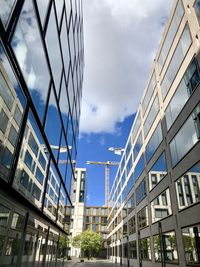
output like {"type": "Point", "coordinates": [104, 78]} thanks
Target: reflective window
{"type": "Point", "coordinates": [176, 61]}
{"type": "Point", "coordinates": [129, 164]}
{"type": "Point", "coordinates": [154, 142]}
{"type": "Point", "coordinates": [42, 6]}
{"type": "Point", "coordinates": [191, 239]}
{"type": "Point", "coordinates": [52, 46]}
{"type": "Point", "coordinates": [71, 42]}
{"type": "Point", "coordinates": [70, 90]}
{"type": "Point", "coordinates": [42, 161]}
{"type": "Point", "coordinates": [170, 252]}
{"type": "Point", "coordinates": [52, 195]}
{"type": "Point", "coordinates": [28, 49]}
{"type": "Point", "coordinates": [188, 187]}
{"type": "Point", "coordinates": [27, 179]}
{"type": "Point", "coordinates": [12, 247]}
{"type": "Point", "coordinates": [4, 121]}
{"type": "Point", "coordinates": [187, 85]}
{"type": "Point", "coordinates": [131, 203]}
{"type": "Point", "coordinates": [186, 137]}
{"type": "Point", "coordinates": [145, 248]}
{"type": "Point", "coordinates": [139, 167]}
{"type": "Point", "coordinates": [161, 206]}
{"type": "Point", "coordinates": [4, 215]}
{"type": "Point", "coordinates": [130, 183]}
{"type": "Point", "coordinates": [137, 145]}
{"type": "Point", "coordinates": [141, 191]}
{"type": "Point", "coordinates": [12, 103]}
{"type": "Point", "coordinates": [176, 20]}
{"type": "Point", "coordinates": [12, 137]}
{"type": "Point", "coordinates": [63, 103]}
{"type": "Point", "coordinates": [151, 116]}
{"type": "Point", "coordinates": [59, 9]}
{"type": "Point", "coordinates": [68, 9]}
{"type": "Point", "coordinates": [149, 93]}
{"type": "Point", "coordinates": [5, 10]}
{"type": "Point", "coordinates": [132, 226]}
{"type": "Point", "coordinates": [137, 123]}
{"type": "Point", "coordinates": [142, 218]}
{"type": "Point", "coordinates": [133, 249]}
{"type": "Point", "coordinates": [158, 171]}
{"type": "Point", "coordinates": [53, 122]}
{"type": "Point", "coordinates": [33, 144]}
{"type": "Point", "coordinates": [197, 9]}
{"type": "Point", "coordinates": [128, 148]}
{"type": "Point", "coordinates": [61, 207]}
{"type": "Point", "coordinates": [65, 45]}
{"type": "Point", "coordinates": [17, 221]}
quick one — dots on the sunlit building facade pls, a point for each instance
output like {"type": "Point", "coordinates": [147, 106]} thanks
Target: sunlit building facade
{"type": "Point", "coordinates": [154, 214]}
{"type": "Point", "coordinates": [77, 211]}
{"type": "Point", "coordinates": [41, 75]}
{"type": "Point", "coordinates": [96, 220]}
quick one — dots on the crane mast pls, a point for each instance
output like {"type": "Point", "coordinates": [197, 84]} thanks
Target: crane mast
{"type": "Point", "coordinates": [107, 165]}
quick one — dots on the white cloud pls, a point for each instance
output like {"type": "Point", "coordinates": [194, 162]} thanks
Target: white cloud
{"type": "Point", "coordinates": [121, 39]}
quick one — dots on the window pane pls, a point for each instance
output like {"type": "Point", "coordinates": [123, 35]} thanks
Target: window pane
{"type": "Point", "coordinates": [17, 221]}
{"type": "Point", "coordinates": [5, 10]}
{"type": "Point", "coordinates": [64, 104]}
{"type": "Point", "coordinates": [141, 191]}
{"type": "Point", "coordinates": [187, 85]}
{"type": "Point", "coordinates": [170, 249]}
{"type": "Point", "coordinates": [11, 100]}
{"type": "Point", "coordinates": [52, 46]}
{"type": "Point", "coordinates": [188, 187]}
{"type": "Point", "coordinates": [27, 180]}
{"type": "Point", "coordinates": [157, 172]}
{"type": "Point", "coordinates": [53, 122]}
{"type": "Point", "coordinates": [176, 20]}
{"type": "Point", "coordinates": [161, 206]}
{"type": "Point", "coordinates": [132, 226]}
{"type": "Point", "coordinates": [139, 167]}
{"type": "Point", "coordinates": [151, 116]}
{"type": "Point", "coordinates": [142, 218]}
{"type": "Point", "coordinates": [149, 92]}
{"type": "Point", "coordinates": [42, 6]}
{"type": "Point", "coordinates": [137, 124]}
{"type": "Point", "coordinates": [186, 137]}
{"type": "Point", "coordinates": [176, 61]}
{"type": "Point", "coordinates": [191, 239]}
{"type": "Point", "coordinates": [51, 196]}
{"type": "Point", "coordinates": [137, 146]}
{"type": "Point", "coordinates": [59, 9]}
{"type": "Point", "coordinates": [145, 248]}
{"type": "Point", "coordinates": [154, 142]}
{"type": "Point", "coordinates": [28, 49]}
{"type": "Point", "coordinates": [133, 249]}
{"type": "Point", "coordinates": [4, 215]}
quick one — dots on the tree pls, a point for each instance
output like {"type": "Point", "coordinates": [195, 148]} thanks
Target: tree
{"type": "Point", "coordinates": [63, 245]}
{"type": "Point", "coordinates": [90, 242]}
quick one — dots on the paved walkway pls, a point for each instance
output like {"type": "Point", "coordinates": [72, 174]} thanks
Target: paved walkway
{"type": "Point", "coordinates": [86, 263]}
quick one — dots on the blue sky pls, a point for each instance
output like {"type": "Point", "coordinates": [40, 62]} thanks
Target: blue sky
{"type": "Point", "coordinates": [94, 147]}
{"type": "Point", "coordinates": [120, 45]}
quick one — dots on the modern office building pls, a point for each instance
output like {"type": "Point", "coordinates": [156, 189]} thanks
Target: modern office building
{"type": "Point", "coordinates": [41, 75]}
{"type": "Point", "coordinates": [77, 211]}
{"type": "Point", "coordinates": [154, 217]}
{"type": "Point", "coordinates": [96, 221]}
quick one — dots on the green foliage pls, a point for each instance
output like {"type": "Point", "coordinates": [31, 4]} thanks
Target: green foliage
{"type": "Point", "coordinates": [63, 245]}
{"type": "Point", "coordinates": [76, 242]}
{"type": "Point", "coordinates": [90, 242]}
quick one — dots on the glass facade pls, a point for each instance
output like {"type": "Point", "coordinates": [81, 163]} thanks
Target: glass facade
{"type": "Point", "coordinates": [40, 94]}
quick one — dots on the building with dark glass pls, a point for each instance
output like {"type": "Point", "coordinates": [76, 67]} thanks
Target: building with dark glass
{"type": "Point", "coordinates": [154, 217]}
{"type": "Point", "coordinates": [41, 76]}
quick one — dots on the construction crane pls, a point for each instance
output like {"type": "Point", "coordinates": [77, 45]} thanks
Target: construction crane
{"type": "Point", "coordinates": [107, 165]}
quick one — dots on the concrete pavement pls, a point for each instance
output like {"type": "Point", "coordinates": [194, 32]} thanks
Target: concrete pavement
{"type": "Point", "coordinates": [91, 263]}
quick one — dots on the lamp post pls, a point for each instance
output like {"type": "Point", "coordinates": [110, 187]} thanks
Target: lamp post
{"type": "Point", "coordinates": [127, 237]}
{"type": "Point", "coordinates": [161, 244]}
{"type": "Point", "coordinates": [139, 250]}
